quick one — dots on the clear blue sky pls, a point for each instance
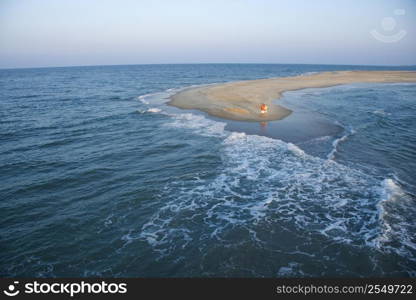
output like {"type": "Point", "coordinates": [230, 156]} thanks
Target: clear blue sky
{"type": "Point", "coordinates": [98, 32]}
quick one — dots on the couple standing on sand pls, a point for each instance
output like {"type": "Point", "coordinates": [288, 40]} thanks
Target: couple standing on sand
{"type": "Point", "coordinates": [263, 108]}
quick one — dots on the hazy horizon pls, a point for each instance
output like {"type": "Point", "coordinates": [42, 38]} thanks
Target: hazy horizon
{"type": "Point", "coordinates": [93, 33]}
{"type": "Point", "coordinates": [199, 63]}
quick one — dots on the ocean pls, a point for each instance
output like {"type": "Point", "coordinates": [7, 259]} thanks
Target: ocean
{"type": "Point", "coordinates": [99, 177]}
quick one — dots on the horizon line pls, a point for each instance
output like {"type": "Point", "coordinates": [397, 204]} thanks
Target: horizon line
{"type": "Point", "coordinates": [204, 63]}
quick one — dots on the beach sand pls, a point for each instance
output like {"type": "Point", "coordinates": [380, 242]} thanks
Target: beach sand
{"type": "Point", "coordinates": [241, 100]}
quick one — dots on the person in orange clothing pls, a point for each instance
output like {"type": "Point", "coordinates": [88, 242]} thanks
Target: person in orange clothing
{"type": "Point", "coordinates": [263, 108]}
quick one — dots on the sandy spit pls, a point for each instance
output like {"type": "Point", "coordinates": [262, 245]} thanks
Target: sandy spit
{"type": "Point", "coordinates": [241, 100]}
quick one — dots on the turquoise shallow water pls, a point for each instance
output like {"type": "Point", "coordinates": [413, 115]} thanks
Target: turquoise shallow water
{"type": "Point", "coordinates": [100, 178]}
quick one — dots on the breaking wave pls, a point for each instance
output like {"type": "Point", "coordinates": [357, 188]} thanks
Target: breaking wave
{"type": "Point", "coordinates": [336, 142]}
{"type": "Point", "coordinates": [268, 183]}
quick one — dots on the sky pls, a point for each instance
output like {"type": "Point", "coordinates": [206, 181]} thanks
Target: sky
{"type": "Point", "coordinates": [45, 33]}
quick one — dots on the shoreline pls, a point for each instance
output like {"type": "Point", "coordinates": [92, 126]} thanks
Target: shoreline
{"type": "Point", "coordinates": [240, 100]}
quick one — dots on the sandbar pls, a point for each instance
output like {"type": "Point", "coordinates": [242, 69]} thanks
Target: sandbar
{"type": "Point", "coordinates": [241, 100]}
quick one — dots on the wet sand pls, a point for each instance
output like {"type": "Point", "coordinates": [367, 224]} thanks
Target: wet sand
{"type": "Point", "coordinates": [241, 100]}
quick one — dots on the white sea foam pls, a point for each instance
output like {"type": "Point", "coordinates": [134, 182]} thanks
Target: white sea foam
{"type": "Point", "coordinates": [308, 73]}
{"type": "Point", "coordinates": [157, 98]}
{"type": "Point", "coordinates": [266, 180]}
{"type": "Point", "coordinates": [336, 142]}
{"type": "Point", "coordinates": [295, 149]}
{"type": "Point", "coordinates": [397, 229]}
{"type": "Point", "coordinates": [322, 138]}
{"type": "Point", "coordinates": [154, 110]}
{"type": "Point", "coordinates": [198, 123]}
{"type": "Point", "coordinates": [388, 192]}
{"type": "Point", "coordinates": [291, 270]}
{"type": "Point", "coordinates": [142, 99]}
{"type": "Point", "coordinates": [161, 97]}
{"type": "Point", "coordinates": [380, 112]}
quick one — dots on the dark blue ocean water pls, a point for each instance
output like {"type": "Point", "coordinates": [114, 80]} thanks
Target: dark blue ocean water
{"type": "Point", "coordinates": [99, 177]}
